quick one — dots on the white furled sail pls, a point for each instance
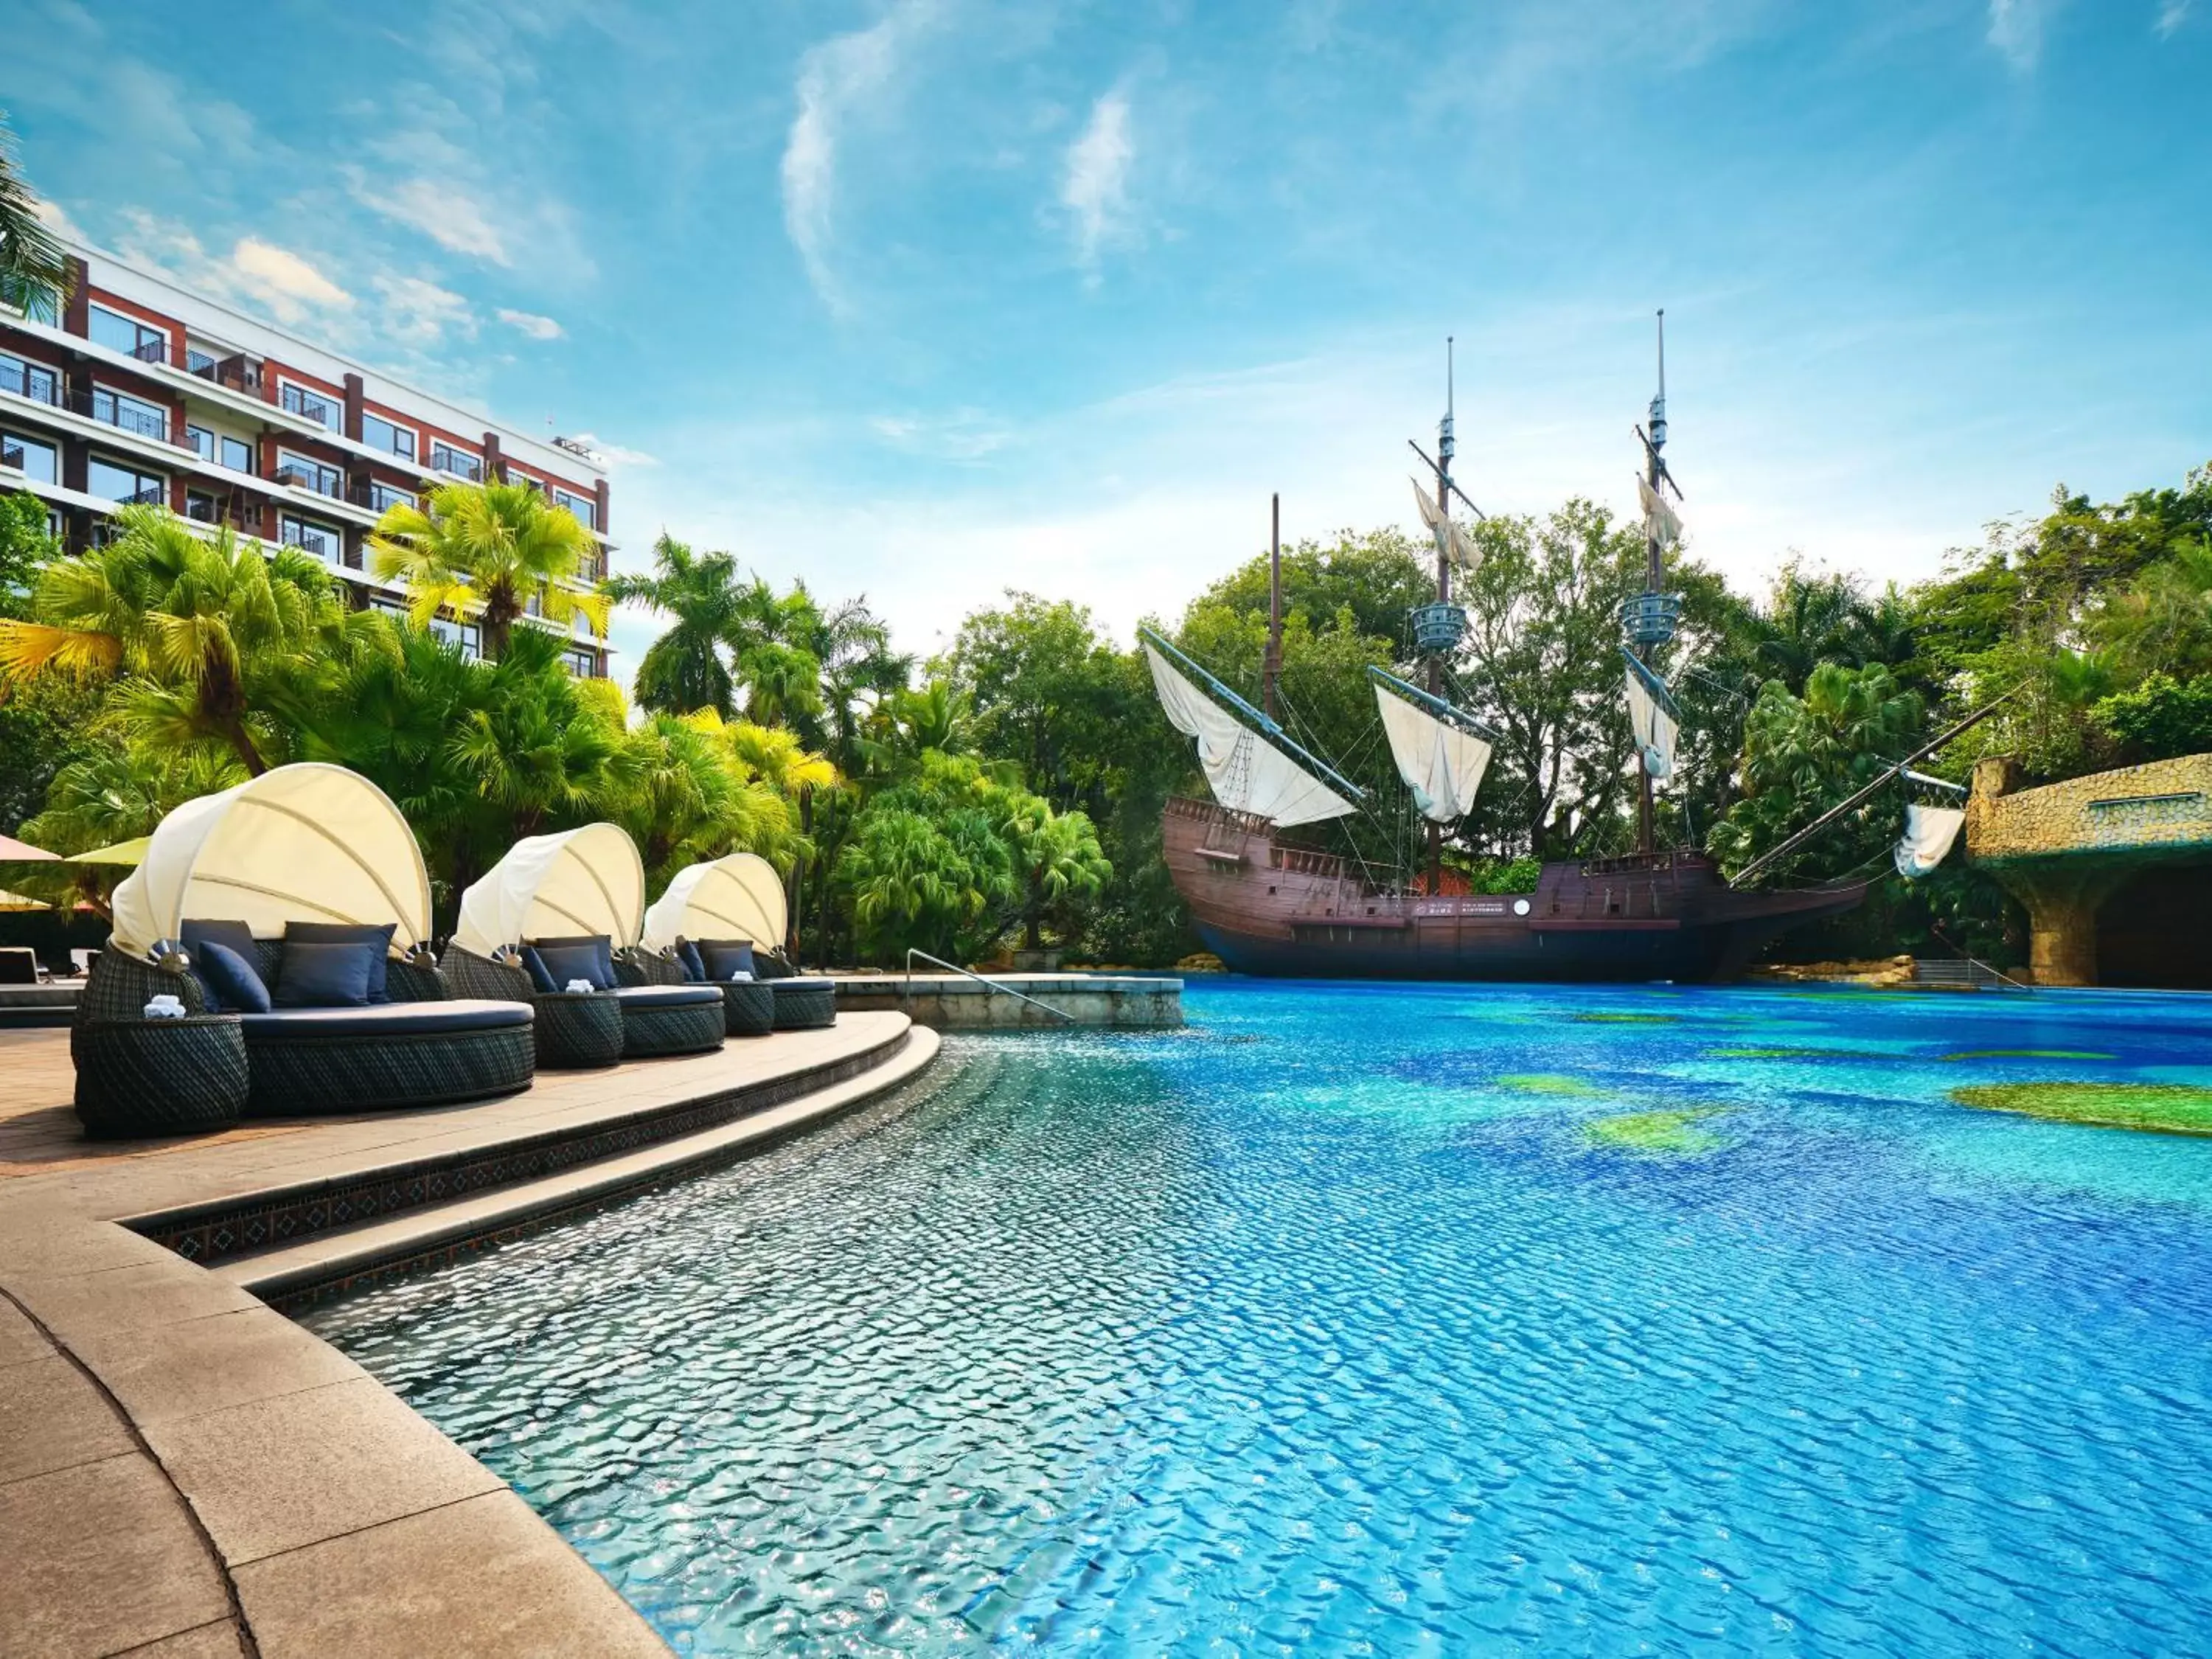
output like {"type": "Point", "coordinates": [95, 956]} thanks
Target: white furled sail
{"type": "Point", "coordinates": [1929, 833]}
{"type": "Point", "coordinates": [1664, 523]}
{"type": "Point", "coordinates": [1248, 774]}
{"type": "Point", "coordinates": [1654, 718]}
{"type": "Point", "coordinates": [1441, 763]}
{"type": "Point", "coordinates": [1451, 540]}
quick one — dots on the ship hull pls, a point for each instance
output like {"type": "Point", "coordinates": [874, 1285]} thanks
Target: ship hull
{"type": "Point", "coordinates": [1268, 909]}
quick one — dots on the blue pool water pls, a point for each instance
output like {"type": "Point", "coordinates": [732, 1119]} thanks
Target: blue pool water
{"type": "Point", "coordinates": [1329, 1325]}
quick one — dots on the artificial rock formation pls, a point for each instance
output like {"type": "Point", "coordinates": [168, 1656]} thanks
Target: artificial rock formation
{"type": "Point", "coordinates": [2064, 848]}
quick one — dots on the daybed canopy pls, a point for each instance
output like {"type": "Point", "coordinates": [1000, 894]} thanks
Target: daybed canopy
{"type": "Point", "coordinates": [582, 881]}
{"type": "Point", "coordinates": [739, 896]}
{"type": "Point", "coordinates": [309, 842]}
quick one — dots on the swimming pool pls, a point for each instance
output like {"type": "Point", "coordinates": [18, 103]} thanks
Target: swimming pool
{"type": "Point", "coordinates": [1401, 1319]}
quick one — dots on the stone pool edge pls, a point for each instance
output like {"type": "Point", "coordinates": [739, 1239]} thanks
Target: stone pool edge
{"type": "Point", "coordinates": [186, 1472]}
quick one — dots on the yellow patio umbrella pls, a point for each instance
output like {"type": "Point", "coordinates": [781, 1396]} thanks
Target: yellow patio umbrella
{"type": "Point", "coordinates": [123, 852]}
{"type": "Point", "coordinates": [21, 902]}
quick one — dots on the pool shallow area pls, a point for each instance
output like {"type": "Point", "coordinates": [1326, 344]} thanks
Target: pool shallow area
{"type": "Point", "coordinates": [1394, 1319]}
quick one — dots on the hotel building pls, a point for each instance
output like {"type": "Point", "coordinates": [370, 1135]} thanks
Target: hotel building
{"type": "Point", "coordinates": [147, 393]}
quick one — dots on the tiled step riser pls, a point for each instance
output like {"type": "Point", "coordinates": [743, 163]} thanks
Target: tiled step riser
{"type": "Point", "coordinates": [216, 1232]}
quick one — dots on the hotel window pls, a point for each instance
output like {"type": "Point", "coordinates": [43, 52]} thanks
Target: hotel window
{"type": "Point", "coordinates": [198, 361]}
{"type": "Point", "coordinates": [585, 510]}
{"type": "Point", "coordinates": [237, 455]}
{"type": "Point", "coordinates": [322, 541]}
{"type": "Point", "coordinates": [516, 475]}
{"type": "Point", "coordinates": [28, 380]}
{"type": "Point", "coordinates": [201, 442]}
{"type": "Point", "coordinates": [199, 505]}
{"type": "Point", "coordinates": [120, 409]}
{"type": "Point", "coordinates": [128, 335]}
{"type": "Point", "coordinates": [303, 474]}
{"type": "Point", "coordinates": [115, 481]}
{"type": "Point", "coordinates": [383, 497]}
{"type": "Point", "coordinates": [581, 664]}
{"type": "Point", "coordinates": [457, 633]}
{"type": "Point", "coordinates": [456, 462]}
{"type": "Point", "coordinates": [40, 462]}
{"type": "Point", "coordinates": [380, 433]}
{"type": "Point", "coordinates": [323, 411]}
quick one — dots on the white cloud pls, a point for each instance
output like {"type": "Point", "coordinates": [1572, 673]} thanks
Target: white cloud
{"type": "Point", "coordinates": [1095, 187]}
{"type": "Point", "coordinates": [281, 282]}
{"type": "Point", "coordinates": [537, 327]}
{"type": "Point", "coordinates": [834, 77]}
{"type": "Point", "coordinates": [448, 215]}
{"type": "Point", "coordinates": [614, 455]}
{"type": "Point", "coordinates": [2016, 30]}
{"type": "Point", "coordinates": [2171, 16]}
{"type": "Point", "coordinates": [284, 280]}
{"type": "Point", "coordinates": [50, 215]}
{"type": "Point", "coordinates": [417, 313]}
{"type": "Point", "coordinates": [966, 434]}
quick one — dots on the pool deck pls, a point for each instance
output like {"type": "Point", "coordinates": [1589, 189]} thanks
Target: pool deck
{"type": "Point", "coordinates": [185, 1473]}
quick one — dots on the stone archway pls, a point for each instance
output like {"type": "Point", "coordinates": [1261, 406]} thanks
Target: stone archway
{"type": "Point", "coordinates": [2065, 849]}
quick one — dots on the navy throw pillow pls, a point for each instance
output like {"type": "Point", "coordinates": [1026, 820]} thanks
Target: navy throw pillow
{"type": "Point", "coordinates": [348, 933]}
{"type": "Point", "coordinates": [695, 965]}
{"type": "Point", "coordinates": [725, 957]}
{"type": "Point", "coordinates": [192, 932]}
{"type": "Point", "coordinates": [541, 977]}
{"type": "Point", "coordinates": [234, 985]}
{"type": "Point", "coordinates": [321, 974]}
{"type": "Point", "coordinates": [601, 973]}
{"type": "Point", "coordinates": [566, 961]}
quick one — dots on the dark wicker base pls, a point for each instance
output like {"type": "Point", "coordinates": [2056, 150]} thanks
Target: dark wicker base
{"type": "Point", "coordinates": [804, 1005]}
{"type": "Point", "coordinates": [578, 1029]}
{"type": "Point", "coordinates": [301, 1077]}
{"type": "Point", "coordinates": [160, 1076]}
{"type": "Point", "coordinates": [687, 1028]}
{"type": "Point", "coordinates": [748, 1010]}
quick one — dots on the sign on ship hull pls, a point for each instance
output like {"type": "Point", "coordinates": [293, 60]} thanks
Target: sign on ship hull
{"type": "Point", "coordinates": [1283, 912]}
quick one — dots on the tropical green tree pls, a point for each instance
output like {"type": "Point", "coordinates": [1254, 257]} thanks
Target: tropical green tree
{"type": "Point", "coordinates": [1805, 756]}
{"type": "Point", "coordinates": [212, 640]}
{"type": "Point", "coordinates": [687, 667]}
{"type": "Point", "coordinates": [1057, 861]}
{"type": "Point", "coordinates": [496, 552]}
{"type": "Point", "coordinates": [35, 273]}
{"type": "Point", "coordinates": [679, 789]}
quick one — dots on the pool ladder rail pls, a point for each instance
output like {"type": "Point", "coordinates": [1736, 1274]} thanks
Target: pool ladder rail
{"type": "Point", "coordinates": [906, 991]}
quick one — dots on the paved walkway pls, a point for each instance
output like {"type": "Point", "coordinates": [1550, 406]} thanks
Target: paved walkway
{"type": "Point", "coordinates": [185, 1473]}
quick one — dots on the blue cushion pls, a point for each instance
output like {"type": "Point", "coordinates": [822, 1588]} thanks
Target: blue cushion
{"type": "Point", "coordinates": [346, 933]}
{"type": "Point", "coordinates": [668, 996]}
{"type": "Point", "coordinates": [725, 957]}
{"type": "Point", "coordinates": [192, 932]}
{"type": "Point", "coordinates": [541, 976]}
{"type": "Point", "coordinates": [322, 974]}
{"type": "Point", "coordinates": [389, 1019]}
{"type": "Point", "coordinates": [234, 985]}
{"type": "Point", "coordinates": [590, 958]}
{"type": "Point", "coordinates": [695, 966]}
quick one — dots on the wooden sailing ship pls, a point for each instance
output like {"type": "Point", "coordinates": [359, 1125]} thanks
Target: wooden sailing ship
{"type": "Point", "coordinates": [1266, 906]}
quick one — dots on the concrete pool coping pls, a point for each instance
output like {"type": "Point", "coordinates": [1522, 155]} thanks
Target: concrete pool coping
{"type": "Point", "coordinates": [186, 1472]}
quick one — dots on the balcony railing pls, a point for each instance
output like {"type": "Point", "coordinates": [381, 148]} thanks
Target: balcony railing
{"type": "Point", "coordinates": [40, 385]}
{"type": "Point", "coordinates": [322, 483]}
{"type": "Point", "coordinates": [151, 495]}
{"type": "Point", "coordinates": [107, 408]}
{"type": "Point", "coordinates": [153, 350]}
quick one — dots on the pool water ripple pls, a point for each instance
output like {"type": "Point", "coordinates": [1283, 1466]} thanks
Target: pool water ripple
{"type": "Point", "coordinates": [1332, 1341]}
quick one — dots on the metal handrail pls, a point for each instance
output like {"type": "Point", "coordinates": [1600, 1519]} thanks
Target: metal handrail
{"type": "Point", "coordinates": [906, 991]}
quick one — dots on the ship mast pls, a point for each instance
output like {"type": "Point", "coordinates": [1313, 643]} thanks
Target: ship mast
{"type": "Point", "coordinates": [1271, 665]}
{"type": "Point", "coordinates": [1648, 617]}
{"type": "Point", "coordinates": [1439, 627]}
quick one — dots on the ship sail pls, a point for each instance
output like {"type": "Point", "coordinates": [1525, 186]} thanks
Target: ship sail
{"type": "Point", "coordinates": [1664, 524]}
{"type": "Point", "coordinates": [1929, 833]}
{"type": "Point", "coordinates": [1653, 714]}
{"type": "Point", "coordinates": [1442, 763]}
{"type": "Point", "coordinates": [1247, 774]}
{"type": "Point", "coordinates": [1451, 540]}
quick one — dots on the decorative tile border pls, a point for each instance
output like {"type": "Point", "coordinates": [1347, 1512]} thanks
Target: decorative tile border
{"type": "Point", "coordinates": [216, 1231]}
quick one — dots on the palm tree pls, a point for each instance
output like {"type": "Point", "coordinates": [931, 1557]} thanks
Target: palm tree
{"type": "Point", "coordinates": [687, 668]}
{"type": "Point", "coordinates": [217, 642]}
{"type": "Point", "coordinates": [683, 797]}
{"type": "Point", "coordinates": [1056, 855]}
{"type": "Point", "coordinates": [35, 273]}
{"type": "Point", "coordinates": [496, 552]}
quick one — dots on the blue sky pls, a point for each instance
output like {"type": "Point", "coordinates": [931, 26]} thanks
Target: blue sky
{"type": "Point", "coordinates": [927, 298]}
